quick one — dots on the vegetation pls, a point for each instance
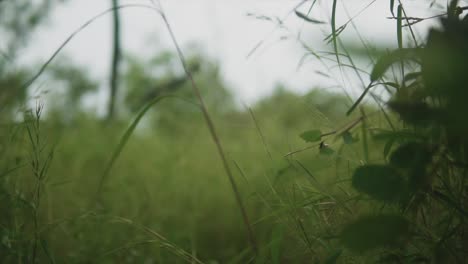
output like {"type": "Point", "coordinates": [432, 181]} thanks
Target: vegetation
{"type": "Point", "coordinates": [312, 178]}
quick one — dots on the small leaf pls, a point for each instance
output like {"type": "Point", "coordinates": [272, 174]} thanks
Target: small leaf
{"type": "Point", "coordinates": [348, 138]}
{"type": "Point", "coordinates": [325, 150]}
{"type": "Point", "coordinates": [371, 232]}
{"type": "Point", "coordinates": [381, 182]}
{"type": "Point", "coordinates": [308, 19]}
{"type": "Point", "coordinates": [384, 62]}
{"type": "Point", "coordinates": [312, 135]}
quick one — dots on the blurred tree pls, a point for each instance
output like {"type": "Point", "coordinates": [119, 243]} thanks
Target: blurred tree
{"type": "Point", "coordinates": [16, 30]}
{"type": "Point", "coordinates": [162, 75]}
{"type": "Point", "coordinates": [73, 82]}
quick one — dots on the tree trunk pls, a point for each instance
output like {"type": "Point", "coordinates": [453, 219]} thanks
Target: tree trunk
{"type": "Point", "coordinates": [116, 56]}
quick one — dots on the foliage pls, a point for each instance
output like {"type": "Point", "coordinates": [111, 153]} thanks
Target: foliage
{"type": "Point", "coordinates": [427, 170]}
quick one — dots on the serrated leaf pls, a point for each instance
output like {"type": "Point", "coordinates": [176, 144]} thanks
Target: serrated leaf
{"type": "Point", "coordinates": [312, 135]}
{"type": "Point", "coordinates": [371, 232]}
{"type": "Point", "coordinates": [384, 62]}
{"type": "Point", "coordinates": [380, 182]}
{"type": "Point", "coordinates": [308, 19]}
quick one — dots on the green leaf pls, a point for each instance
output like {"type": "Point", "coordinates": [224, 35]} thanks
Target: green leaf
{"type": "Point", "coordinates": [312, 135]}
{"type": "Point", "coordinates": [372, 232]}
{"type": "Point", "coordinates": [308, 19]}
{"type": "Point", "coordinates": [417, 113]}
{"type": "Point", "coordinates": [411, 155]}
{"type": "Point", "coordinates": [384, 62]}
{"type": "Point", "coordinates": [392, 4]}
{"type": "Point", "coordinates": [335, 31]}
{"type": "Point", "coordinates": [381, 182]}
{"type": "Point", "coordinates": [348, 138]}
{"type": "Point", "coordinates": [325, 150]}
{"type": "Point", "coordinates": [404, 134]}
{"type": "Point", "coordinates": [276, 238]}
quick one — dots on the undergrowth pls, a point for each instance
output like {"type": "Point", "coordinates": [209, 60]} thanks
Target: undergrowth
{"type": "Point", "coordinates": [310, 179]}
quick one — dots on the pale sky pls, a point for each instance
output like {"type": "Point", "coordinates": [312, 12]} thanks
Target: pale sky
{"type": "Point", "coordinates": [224, 32]}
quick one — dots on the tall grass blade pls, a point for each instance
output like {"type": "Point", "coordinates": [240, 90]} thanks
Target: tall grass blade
{"type": "Point", "coordinates": [123, 141]}
{"type": "Point", "coordinates": [334, 33]}
{"type": "Point", "coordinates": [399, 27]}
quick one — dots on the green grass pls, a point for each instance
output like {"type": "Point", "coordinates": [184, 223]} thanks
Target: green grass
{"type": "Point", "coordinates": [153, 189]}
{"type": "Point", "coordinates": [169, 179]}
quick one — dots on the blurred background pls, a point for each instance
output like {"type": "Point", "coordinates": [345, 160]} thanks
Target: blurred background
{"type": "Point", "coordinates": [255, 43]}
{"type": "Point", "coordinates": [73, 79]}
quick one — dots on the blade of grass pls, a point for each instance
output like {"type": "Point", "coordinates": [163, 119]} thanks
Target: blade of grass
{"type": "Point", "coordinates": [334, 33]}
{"type": "Point", "coordinates": [123, 141]}
{"type": "Point", "coordinates": [212, 130]}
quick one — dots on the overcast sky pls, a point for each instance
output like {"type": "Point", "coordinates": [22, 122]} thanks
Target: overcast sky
{"type": "Point", "coordinates": [226, 33]}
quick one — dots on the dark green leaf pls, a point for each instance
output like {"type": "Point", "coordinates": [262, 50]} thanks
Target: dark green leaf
{"type": "Point", "coordinates": [416, 112]}
{"type": "Point", "coordinates": [326, 150]}
{"type": "Point", "coordinates": [371, 232]}
{"type": "Point", "coordinates": [411, 155]}
{"type": "Point", "coordinates": [411, 76]}
{"type": "Point", "coordinates": [348, 138]}
{"type": "Point", "coordinates": [335, 31]}
{"type": "Point", "coordinates": [404, 134]}
{"type": "Point", "coordinates": [312, 135]}
{"type": "Point", "coordinates": [387, 60]}
{"type": "Point", "coordinates": [392, 4]}
{"type": "Point", "coordinates": [381, 182]}
{"type": "Point", "coordinates": [308, 19]}
{"type": "Point", "coordinates": [392, 84]}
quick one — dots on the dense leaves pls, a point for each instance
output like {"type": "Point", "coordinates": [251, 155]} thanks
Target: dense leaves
{"type": "Point", "coordinates": [411, 155]}
{"type": "Point", "coordinates": [381, 182]}
{"type": "Point", "coordinates": [426, 172]}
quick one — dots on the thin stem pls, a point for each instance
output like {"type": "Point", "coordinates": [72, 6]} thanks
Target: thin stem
{"type": "Point", "coordinates": [213, 133]}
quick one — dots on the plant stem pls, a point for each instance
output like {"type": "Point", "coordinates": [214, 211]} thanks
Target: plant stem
{"type": "Point", "coordinates": [214, 135]}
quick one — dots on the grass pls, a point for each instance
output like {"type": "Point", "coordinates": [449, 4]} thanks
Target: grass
{"type": "Point", "coordinates": [154, 190]}
{"type": "Point", "coordinates": [170, 183]}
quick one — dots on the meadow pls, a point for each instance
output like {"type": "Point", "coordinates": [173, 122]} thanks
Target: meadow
{"type": "Point", "coordinates": [183, 173]}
